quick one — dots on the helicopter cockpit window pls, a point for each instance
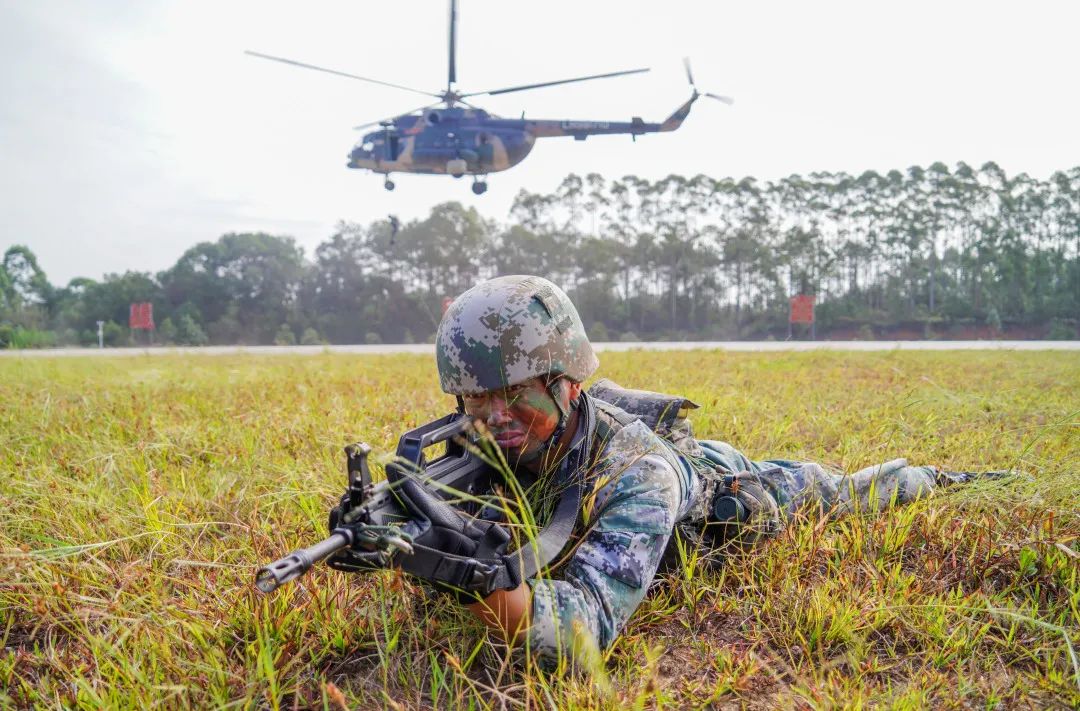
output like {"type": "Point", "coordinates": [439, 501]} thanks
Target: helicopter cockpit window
{"type": "Point", "coordinates": [433, 118]}
{"type": "Point", "coordinates": [367, 147]}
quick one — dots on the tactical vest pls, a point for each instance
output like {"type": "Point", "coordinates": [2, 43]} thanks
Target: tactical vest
{"type": "Point", "coordinates": [666, 415]}
{"type": "Point", "coordinates": [718, 511]}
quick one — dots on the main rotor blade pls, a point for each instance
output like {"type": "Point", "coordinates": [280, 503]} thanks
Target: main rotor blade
{"type": "Point", "coordinates": [724, 99]}
{"type": "Point", "coordinates": [340, 74]}
{"type": "Point", "coordinates": [369, 124]}
{"type": "Point", "coordinates": [451, 77]}
{"type": "Point", "coordinates": [493, 92]}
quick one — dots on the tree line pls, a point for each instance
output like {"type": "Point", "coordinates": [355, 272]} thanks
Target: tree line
{"type": "Point", "coordinates": [923, 252]}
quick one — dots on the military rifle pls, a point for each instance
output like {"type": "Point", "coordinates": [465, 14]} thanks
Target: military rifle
{"type": "Point", "coordinates": [367, 533]}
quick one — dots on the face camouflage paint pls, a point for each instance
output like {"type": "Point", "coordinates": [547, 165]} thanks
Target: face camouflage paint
{"type": "Point", "coordinates": [520, 418]}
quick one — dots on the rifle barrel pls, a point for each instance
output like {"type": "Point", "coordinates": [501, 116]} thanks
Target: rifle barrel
{"type": "Point", "coordinates": [269, 578]}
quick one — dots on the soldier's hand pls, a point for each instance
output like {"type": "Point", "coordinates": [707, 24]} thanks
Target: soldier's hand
{"type": "Point", "coordinates": [439, 526]}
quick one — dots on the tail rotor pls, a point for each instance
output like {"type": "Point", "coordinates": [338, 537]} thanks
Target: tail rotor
{"type": "Point", "coordinates": [690, 78]}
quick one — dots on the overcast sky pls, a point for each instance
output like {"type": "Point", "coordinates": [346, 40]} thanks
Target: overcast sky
{"type": "Point", "coordinates": [132, 129]}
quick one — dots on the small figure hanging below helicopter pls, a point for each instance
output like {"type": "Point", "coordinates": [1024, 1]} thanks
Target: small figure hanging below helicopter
{"type": "Point", "coordinates": [446, 139]}
{"type": "Point", "coordinates": [395, 227]}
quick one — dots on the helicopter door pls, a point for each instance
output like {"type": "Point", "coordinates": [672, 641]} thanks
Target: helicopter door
{"type": "Point", "coordinates": [392, 148]}
{"type": "Point", "coordinates": [485, 150]}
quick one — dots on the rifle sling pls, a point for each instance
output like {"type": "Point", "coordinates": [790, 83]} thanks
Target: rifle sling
{"type": "Point", "coordinates": [549, 543]}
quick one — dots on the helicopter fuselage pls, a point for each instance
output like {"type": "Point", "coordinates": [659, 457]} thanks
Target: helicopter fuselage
{"type": "Point", "coordinates": [459, 141]}
{"type": "Point", "coordinates": [445, 141]}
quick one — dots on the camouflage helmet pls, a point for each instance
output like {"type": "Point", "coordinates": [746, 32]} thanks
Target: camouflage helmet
{"type": "Point", "coordinates": [507, 330]}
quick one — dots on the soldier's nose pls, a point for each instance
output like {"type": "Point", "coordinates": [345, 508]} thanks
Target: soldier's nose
{"type": "Point", "coordinates": [498, 412]}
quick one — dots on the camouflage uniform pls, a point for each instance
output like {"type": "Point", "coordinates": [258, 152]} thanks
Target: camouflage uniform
{"type": "Point", "coordinates": [645, 486]}
{"type": "Point", "coordinates": [508, 330]}
{"type": "Point", "coordinates": [642, 490]}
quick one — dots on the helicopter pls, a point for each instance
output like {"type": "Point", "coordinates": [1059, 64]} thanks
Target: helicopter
{"type": "Point", "coordinates": [454, 137]}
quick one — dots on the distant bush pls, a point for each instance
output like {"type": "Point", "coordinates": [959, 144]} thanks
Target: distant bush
{"type": "Point", "coordinates": [285, 336]}
{"type": "Point", "coordinates": [310, 337]}
{"type": "Point", "coordinates": [599, 332]}
{"type": "Point", "coordinates": [19, 337]}
{"type": "Point", "coordinates": [371, 338]}
{"type": "Point", "coordinates": [166, 332]}
{"type": "Point", "coordinates": [189, 332]}
{"type": "Point", "coordinates": [866, 332]}
{"type": "Point", "coordinates": [1060, 330]}
{"type": "Point", "coordinates": [115, 335]}
{"type": "Point", "coordinates": [629, 337]}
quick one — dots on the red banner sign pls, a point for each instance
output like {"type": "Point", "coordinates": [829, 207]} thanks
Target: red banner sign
{"type": "Point", "coordinates": [802, 309]}
{"type": "Point", "coordinates": [142, 316]}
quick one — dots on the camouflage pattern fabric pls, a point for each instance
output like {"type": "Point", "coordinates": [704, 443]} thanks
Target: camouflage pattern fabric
{"type": "Point", "coordinates": [805, 487]}
{"type": "Point", "coordinates": [660, 412]}
{"type": "Point", "coordinates": [505, 331]}
{"type": "Point", "coordinates": [645, 487]}
{"type": "Point", "coordinates": [642, 491]}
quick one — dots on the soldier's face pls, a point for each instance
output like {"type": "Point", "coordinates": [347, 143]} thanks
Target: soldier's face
{"type": "Point", "coordinates": [521, 418]}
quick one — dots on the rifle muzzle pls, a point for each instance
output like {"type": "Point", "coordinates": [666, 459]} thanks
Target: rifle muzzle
{"type": "Point", "coordinates": [269, 578]}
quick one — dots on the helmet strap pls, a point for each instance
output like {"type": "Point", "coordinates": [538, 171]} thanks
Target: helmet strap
{"type": "Point", "coordinates": [555, 391]}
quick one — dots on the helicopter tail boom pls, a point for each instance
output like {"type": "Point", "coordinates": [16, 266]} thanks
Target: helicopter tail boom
{"type": "Point", "coordinates": [580, 130]}
{"type": "Point", "coordinates": [673, 122]}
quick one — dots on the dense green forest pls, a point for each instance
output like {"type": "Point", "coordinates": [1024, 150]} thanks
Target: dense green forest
{"type": "Point", "coordinates": [926, 252]}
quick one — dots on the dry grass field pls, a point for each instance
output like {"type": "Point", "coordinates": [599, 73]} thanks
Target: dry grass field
{"type": "Point", "coordinates": [137, 496]}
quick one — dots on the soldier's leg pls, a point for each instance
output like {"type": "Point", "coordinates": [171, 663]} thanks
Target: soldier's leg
{"type": "Point", "coordinates": [877, 487]}
{"type": "Point", "coordinates": [770, 492]}
{"type": "Point", "coordinates": [746, 501]}
{"type": "Point", "coordinates": [792, 486]}
{"type": "Point", "coordinates": [874, 488]}
{"type": "Point", "coordinates": [871, 489]}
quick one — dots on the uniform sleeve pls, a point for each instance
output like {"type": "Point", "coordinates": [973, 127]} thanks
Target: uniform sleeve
{"type": "Point", "coordinates": [641, 491]}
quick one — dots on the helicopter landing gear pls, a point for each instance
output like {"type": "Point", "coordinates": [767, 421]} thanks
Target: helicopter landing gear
{"type": "Point", "coordinates": [389, 184]}
{"type": "Point", "coordinates": [479, 187]}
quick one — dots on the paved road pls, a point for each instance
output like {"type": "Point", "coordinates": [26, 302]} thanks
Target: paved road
{"type": "Point", "coordinates": [656, 346]}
